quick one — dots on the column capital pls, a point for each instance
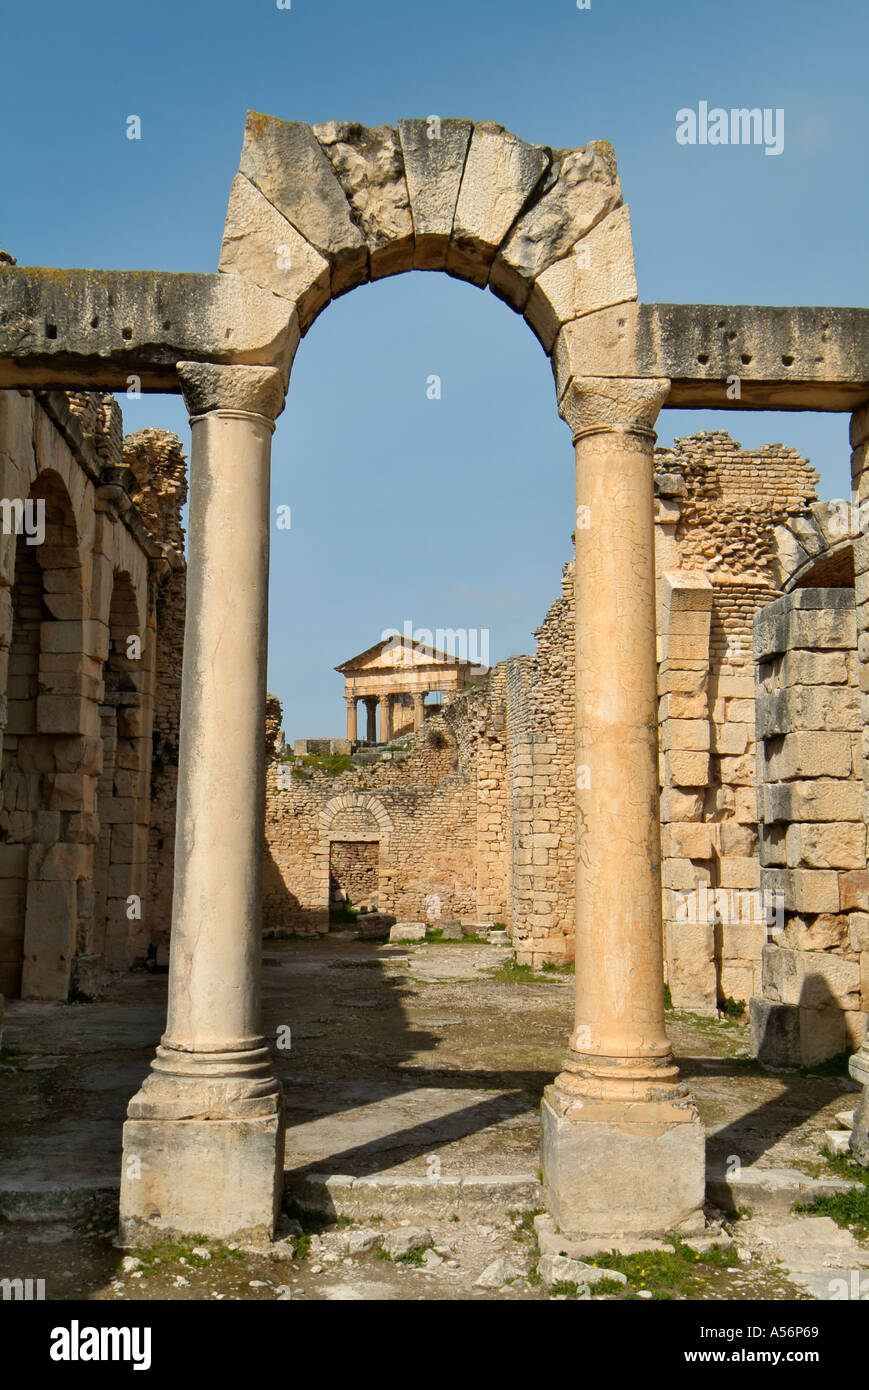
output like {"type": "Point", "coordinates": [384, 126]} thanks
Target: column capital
{"type": "Point", "coordinates": [613, 405]}
{"type": "Point", "coordinates": [208, 388]}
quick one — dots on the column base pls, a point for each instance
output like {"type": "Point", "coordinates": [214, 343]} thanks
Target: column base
{"type": "Point", "coordinates": [614, 1168]}
{"type": "Point", "coordinates": [859, 1069]}
{"type": "Point", "coordinates": [218, 1178]}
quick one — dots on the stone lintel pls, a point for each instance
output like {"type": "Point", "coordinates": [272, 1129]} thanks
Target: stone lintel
{"type": "Point", "coordinates": [785, 358]}
{"type": "Point", "coordinates": [94, 329]}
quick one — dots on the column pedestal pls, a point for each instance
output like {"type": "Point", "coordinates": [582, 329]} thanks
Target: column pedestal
{"type": "Point", "coordinates": [623, 1147]}
{"type": "Point", "coordinates": [204, 1137]}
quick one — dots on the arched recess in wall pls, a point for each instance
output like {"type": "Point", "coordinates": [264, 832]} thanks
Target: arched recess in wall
{"type": "Point", "coordinates": [815, 550]}
{"type": "Point", "coordinates": [121, 855]}
{"type": "Point", "coordinates": [355, 830]}
{"type": "Point", "coordinates": [45, 866]}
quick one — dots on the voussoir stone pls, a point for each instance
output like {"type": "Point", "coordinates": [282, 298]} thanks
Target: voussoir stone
{"type": "Point", "coordinates": [260, 244]}
{"type": "Point", "coordinates": [582, 188]}
{"type": "Point", "coordinates": [500, 175]}
{"type": "Point", "coordinates": [286, 162]}
{"type": "Point", "coordinates": [434, 159]}
{"type": "Point", "coordinates": [598, 272]}
{"type": "Point", "coordinates": [369, 164]}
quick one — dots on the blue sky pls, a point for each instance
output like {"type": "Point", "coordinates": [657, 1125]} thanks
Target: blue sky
{"type": "Point", "coordinates": [457, 512]}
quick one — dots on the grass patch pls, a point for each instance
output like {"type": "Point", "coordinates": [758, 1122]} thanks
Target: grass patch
{"type": "Point", "coordinates": [732, 1008]}
{"type": "Point", "coordinates": [331, 764]}
{"type": "Point", "coordinates": [849, 1209]}
{"type": "Point", "coordinates": [662, 1273]}
{"type": "Point", "coordinates": [412, 1257]}
{"type": "Point", "coordinates": [512, 973]}
{"type": "Point", "coordinates": [167, 1252]}
{"type": "Point", "coordinates": [668, 998]}
{"type": "Point", "coordinates": [550, 968]}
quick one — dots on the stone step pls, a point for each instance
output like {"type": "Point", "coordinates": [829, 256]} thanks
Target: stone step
{"type": "Point", "coordinates": [838, 1140]}
{"type": "Point", "coordinates": [333, 1195]}
{"type": "Point", "coordinates": [771, 1191]}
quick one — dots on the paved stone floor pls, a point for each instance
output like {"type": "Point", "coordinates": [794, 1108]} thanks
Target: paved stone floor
{"type": "Point", "coordinates": [404, 1061]}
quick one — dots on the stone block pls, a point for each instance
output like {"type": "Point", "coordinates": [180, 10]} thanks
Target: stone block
{"type": "Point", "coordinates": [731, 739]}
{"type": "Point", "coordinates": [681, 769]}
{"type": "Point", "coordinates": [688, 840]}
{"type": "Point", "coordinates": [407, 931]}
{"type": "Point", "coordinates": [500, 174]}
{"type": "Point", "coordinates": [691, 974]}
{"type": "Point", "coordinates": [817, 799]}
{"type": "Point", "coordinates": [685, 735]}
{"type": "Point", "coordinates": [680, 806]}
{"type": "Point", "coordinates": [621, 1169]}
{"type": "Point", "coordinates": [49, 940]}
{"type": "Point", "coordinates": [260, 244]}
{"type": "Point", "coordinates": [809, 754]}
{"type": "Point", "coordinates": [811, 979]}
{"type": "Point", "coordinates": [369, 165]}
{"type": "Point", "coordinates": [434, 157]}
{"type": "Point", "coordinates": [598, 272]}
{"type": "Point", "coordinates": [775, 1032]}
{"type": "Point", "coordinates": [739, 871]}
{"type": "Point", "coordinates": [223, 1176]}
{"type": "Point", "coordinates": [286, 162]}
{"type": "Point", "coordinates": [828, 845]}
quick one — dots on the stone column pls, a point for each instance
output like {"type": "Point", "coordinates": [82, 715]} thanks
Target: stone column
{"type": "Point", "coordinates": [418, 710]}
{"type": "Point", "coordinates": [623, 1149]}
{"type": "Point", "coordinates": [385, 718]}
{"type": "Point", "coordinates": [351, 717]}
{"type": "Point", "coordinates": [203, 1141]}
{"type": "Point", "coordinates": [859, 1064]}
{"type": "Point", "coordinates": [371, 718]}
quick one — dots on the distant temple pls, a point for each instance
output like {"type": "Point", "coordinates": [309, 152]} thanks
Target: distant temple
{"type": "Point", "coordinates": [396, 675]}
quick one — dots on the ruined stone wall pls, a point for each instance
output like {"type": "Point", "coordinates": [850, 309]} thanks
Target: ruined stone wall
{"type": "Point", "coordinates": [814, 997]}
{"type": "Point", "coordinates": [78, 671]}
{"type": "Point", "coordinates": [718, 511]}
{"type": "Point", "coordinates": [720, 514]}
{"type": "Point", "coordinates": [419, 805]}
{"type": "Point", "coordinates": [159, 470]}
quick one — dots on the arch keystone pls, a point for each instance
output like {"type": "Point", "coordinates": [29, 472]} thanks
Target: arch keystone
{"type": "Point", "coordinates": [434, 160]}
{"type": "Point", "coordinates": [501, 173]}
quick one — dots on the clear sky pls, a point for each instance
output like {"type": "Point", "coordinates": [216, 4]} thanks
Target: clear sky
{"type": "Point", "coordinates": [458, 512]}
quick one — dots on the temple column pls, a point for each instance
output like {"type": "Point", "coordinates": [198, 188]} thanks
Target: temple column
{"type": "Point", "coordinates": [623, 1148]}
{"type": "Point", "coordinates": [203, 1141]}
{"type": "Point", "coordinates": [418, 710]}
{"type": "Point", "coordinates": [859, 1064]}
{"type": "Point", "coordinates": [385, 718]}
{"type": "Point", "coordinates": [371, 718]}
{"type": "Point", "coordinates": [351, 717]}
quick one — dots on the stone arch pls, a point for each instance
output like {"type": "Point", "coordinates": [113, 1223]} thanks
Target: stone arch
{"type": "Point", "coordinates": [342, 807]}
{"type": "Point", "coordinates": [815, 549]}
{"type": "Point", "coordinates": [46, 865]}
{"type": "Point", "coordinates": [315, 211]}
{"type": "Point", "coordinates": [354, 849]}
